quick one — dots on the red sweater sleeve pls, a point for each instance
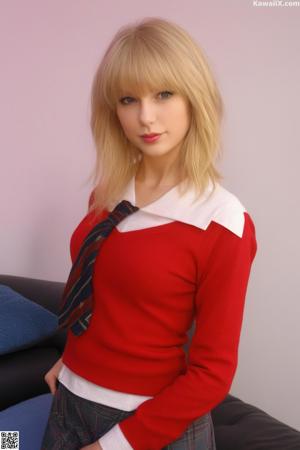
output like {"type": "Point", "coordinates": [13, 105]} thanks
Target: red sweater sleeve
{"type": "Point", "coordinates": [213, 353]}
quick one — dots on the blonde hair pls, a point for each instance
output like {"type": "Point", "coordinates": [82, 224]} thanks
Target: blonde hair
{"type": "Point", "coordinates": [153, 54]}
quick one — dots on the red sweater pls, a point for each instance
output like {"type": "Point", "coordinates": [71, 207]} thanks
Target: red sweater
{"type": "Point", "coordinates": [148, 285]}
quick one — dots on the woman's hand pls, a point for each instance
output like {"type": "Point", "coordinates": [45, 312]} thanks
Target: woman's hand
{"type": "Point", "coordinates": [52, 375]}
{"type": "Point", "coordinates": [94, 446]}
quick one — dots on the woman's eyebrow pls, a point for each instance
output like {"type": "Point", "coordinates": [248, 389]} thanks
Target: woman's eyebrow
{"type": "Point", "coordinates": [125, 93]}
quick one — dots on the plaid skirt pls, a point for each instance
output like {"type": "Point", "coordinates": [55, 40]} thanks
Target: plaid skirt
{"type": "Point", "coordinates": [75, 422]}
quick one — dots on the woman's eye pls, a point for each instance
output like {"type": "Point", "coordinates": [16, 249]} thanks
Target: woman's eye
{"type": "Point", "coordinates": [122, 100]}
{"type": "Point", "coordinates": [166, 92]}
{"type": "Point", "coordinates": [127, 100]}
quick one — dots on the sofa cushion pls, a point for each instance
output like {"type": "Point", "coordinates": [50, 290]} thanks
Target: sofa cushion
{"type": "Point", "coordinates": [29, 418]}
{"type": "Point", "coordinates": [23, 322]}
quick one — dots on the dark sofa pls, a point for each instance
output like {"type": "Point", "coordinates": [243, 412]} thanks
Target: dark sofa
{"type": "Point", "coordinates": [25, 398]}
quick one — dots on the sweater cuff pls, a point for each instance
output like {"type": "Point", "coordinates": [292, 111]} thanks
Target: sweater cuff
{"type": "Point", "coordinates": [114, 439]}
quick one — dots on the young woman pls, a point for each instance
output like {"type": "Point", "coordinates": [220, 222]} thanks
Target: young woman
{"type": "Point", "coordinates": [176, 251]}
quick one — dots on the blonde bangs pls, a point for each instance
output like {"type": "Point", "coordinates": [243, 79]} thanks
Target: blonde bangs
{"type": "Point", "coordinates": [137, 68]}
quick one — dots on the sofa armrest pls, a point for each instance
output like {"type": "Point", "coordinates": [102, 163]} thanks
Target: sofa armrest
{"type": "Point", "coordinates": [45, 293]}
{"type": "Point", "coordinates": [242, 426]}
{"type": "Point", "coordinates": [22, 372]}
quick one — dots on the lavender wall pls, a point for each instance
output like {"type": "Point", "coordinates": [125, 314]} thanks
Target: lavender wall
{"type": "Point", "coordinates": [49, 52]}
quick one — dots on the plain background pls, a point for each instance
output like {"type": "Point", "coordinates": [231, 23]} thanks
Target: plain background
{"type": "Point", "coordinates": [49, 53]}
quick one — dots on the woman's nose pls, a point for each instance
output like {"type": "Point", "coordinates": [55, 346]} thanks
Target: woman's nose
{"type": "Point", "coordinates": [147, 112]}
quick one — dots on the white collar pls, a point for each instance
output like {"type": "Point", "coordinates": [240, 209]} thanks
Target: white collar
{"type": "Point", "coordinates": [222, 207]}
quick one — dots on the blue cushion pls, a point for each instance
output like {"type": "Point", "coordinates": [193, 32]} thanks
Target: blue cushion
{"type": "Point", "coordinates": [22, 321]}
{"type": "Point", "coordinates": [29, 418]}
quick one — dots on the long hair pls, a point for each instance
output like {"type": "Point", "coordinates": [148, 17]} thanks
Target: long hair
{"type": "Point", "coordinates": [153, 54]}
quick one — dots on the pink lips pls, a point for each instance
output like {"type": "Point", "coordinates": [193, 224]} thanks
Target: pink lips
{"type": "Point", "coordinates": [151, 137]}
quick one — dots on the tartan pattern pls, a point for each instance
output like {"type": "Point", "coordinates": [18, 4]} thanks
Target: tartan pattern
{"type": "Point", "coordinates": [77, 299]}
{"type": "Point", "coordinates": [92, 420]}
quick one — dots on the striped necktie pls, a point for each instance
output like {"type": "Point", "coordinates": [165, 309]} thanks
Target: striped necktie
{"type": "Point", "coordinates": [77, 299]}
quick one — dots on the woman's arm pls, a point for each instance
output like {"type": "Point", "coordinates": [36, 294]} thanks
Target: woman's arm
{"type": "Point", "coordinates": [213, 353]}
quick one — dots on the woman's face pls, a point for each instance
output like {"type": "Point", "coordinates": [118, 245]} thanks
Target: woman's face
{"type": "Point", "coordinates": [162, 112]}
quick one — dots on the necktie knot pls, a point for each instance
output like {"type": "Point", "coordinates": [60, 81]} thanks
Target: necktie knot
{"type": "Point", "coordinates": [120, 211]}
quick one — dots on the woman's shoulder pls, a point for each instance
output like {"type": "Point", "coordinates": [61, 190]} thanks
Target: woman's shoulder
{"type": "Point", "coordinates": [226, 204]}
{"type": "Point", "coordinates": [225, 208]}
{"type": "Point", "coordinates": [227, 198]}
